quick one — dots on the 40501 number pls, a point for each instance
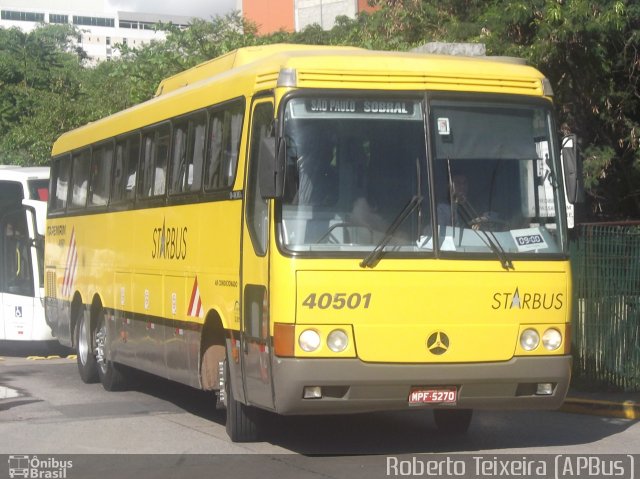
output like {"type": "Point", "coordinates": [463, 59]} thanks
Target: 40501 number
{"type": "Point", "coordinates": [337, 300]}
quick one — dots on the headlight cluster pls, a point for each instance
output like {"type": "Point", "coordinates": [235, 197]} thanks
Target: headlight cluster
{"type": "Point", "coordinates": [310, 340]}
{"type": "Point", "coordinates": [530, 339]}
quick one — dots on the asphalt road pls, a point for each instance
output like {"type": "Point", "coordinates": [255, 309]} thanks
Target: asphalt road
{"type": "Point", "coordinates": [46, 410]}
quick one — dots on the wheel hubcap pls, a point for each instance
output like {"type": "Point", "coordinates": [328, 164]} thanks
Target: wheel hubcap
{"type": "Point", "coordinates": [83, 345]}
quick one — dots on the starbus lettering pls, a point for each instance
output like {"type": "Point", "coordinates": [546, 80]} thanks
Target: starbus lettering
{"type": "Point", "coordinates": [169, 242]}
{"type": "Point", "coordinates": [533, 301]}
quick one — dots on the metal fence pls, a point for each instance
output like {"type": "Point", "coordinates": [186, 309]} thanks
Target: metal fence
{"type": "Point", "coordinates": [606, 316]}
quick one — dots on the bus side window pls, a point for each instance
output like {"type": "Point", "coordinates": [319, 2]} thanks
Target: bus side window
{"type": "Point", "coordinates": [215, 151]}
{"type": "Point", "coordinates": [195, 152]}
{"type": "Point", "coordinates": [178, 156]}
{"type": "Point", "coordinates": [61, 172]}
{"type": "Point", "coordinates": [233, 127]}
{"type": "Point", "coordinates": [102, 159]}
{"type": "Point", "coordinates": [257, 207]}
{"type": "Point", "coordinates": [80, 178]}
{"type": "Point", "coordinates": [225, 130]}
{"type": "Point", "coordinates": [155, 157]}
{"type": "Point", "coordinates": [163, 140]}
{"type": "Point", "coordinates": [16, 256]}
{"type": "Point", "coordinates": [125, 168]}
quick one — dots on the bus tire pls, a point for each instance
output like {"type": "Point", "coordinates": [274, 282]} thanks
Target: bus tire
{"type": "Point", "coordinates": [242, 420]}
{"type": "Point", "coordinates": [86, 359]}
{"type": "Point", "coordinates": [110, 374]}
{"type": "Point", "coordinates": [453, 421]}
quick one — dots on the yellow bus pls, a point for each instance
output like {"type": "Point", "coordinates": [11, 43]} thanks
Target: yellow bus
{"type": "Point", "coordinates": [321, 230]}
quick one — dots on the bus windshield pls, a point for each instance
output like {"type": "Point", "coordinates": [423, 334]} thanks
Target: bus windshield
{"type": "Point", "coordinates": [487, 179]}
{"type": "Point", "coordinates": [352, 166]}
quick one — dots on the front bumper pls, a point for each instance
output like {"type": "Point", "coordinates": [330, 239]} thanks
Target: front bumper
{"type": "Point", "coordinates": [352, 386]}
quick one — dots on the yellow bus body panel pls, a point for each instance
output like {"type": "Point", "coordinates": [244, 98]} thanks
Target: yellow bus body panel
{"type": "Point", "coordinates": [123, 260]}
{"type": "Point", "coordinates": [481, 312]}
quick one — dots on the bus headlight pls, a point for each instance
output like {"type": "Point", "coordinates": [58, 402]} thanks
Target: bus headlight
{"type": "Point", "coordinates": [337, 340]}
{"type": "Point", "coordinates": [551, 339]}
{"type": "Point", "coordinates": [529, 339]}
{"type": "Point", "coordinates": [309, 340]}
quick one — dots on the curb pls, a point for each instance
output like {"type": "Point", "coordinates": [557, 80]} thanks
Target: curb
{"type": "Point", "coordinates": [623, 410]}
{"type": "Point", "coordinates": [45, 358]}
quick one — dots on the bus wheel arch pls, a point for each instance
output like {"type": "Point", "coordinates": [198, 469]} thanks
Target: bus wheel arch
{"type": "Point", "coordinates": [83, 341]}
{"type": "Point", "coordinates": [212, 351]}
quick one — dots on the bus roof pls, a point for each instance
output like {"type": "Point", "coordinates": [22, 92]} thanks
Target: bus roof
{"type": "Point", "coordinates": [238, 58]}
{"type": "Point", "coordinates": [243, 72]}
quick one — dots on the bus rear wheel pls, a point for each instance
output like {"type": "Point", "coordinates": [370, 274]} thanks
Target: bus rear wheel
{"type": "Point", "coordinates": [453, 421]}
{"type": "Point", "coordinates": [110, 374]}
{"type": "Point", "coordinates": [242, 420]}
{"type": "Point", "coordinates": [86, 359]}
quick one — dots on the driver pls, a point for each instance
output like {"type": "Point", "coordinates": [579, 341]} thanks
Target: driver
{"type": "Point", "coordinates": [458, 211]}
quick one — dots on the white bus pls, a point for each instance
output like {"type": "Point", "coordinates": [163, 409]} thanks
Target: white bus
{"type": "Point", "coordinates": [23, 207]}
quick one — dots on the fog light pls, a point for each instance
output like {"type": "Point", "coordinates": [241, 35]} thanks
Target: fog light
{"type": "Point", "coordinates": [551, 339]}
{"type": "Point", "coordinates": [312, 392]}
{"type": "Point", "coordinates": [529, 339]}
{"type": "Point", "coordinates": [309, 340]}
{"type": "Point", "coordinates": [337, 340]}
{"type": "Point", "coordinates": [544, 389]}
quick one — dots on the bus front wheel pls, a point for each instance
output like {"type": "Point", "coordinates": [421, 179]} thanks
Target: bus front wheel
{"type": "Point", "coordinates": [453, 421]}
{"type": "Point", "coordinates": [86, 359]}
{"type": "Point", "coordinates": [242, 420]}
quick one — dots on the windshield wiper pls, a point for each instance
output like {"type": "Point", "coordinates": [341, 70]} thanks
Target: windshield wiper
{"type": "Point", "coordinates": [470, 217]}
{"type": "Point", "coordinates": [372, 258]}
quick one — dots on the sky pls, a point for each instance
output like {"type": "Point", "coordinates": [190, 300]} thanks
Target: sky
{"type": "Point", "coordinates": [197, 8]}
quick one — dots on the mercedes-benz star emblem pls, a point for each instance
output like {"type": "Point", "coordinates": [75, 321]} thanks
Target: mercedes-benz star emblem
{"type": "Point", "coordinates": [438, 343]}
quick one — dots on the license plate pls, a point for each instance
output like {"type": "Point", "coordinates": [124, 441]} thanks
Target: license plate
{"type": "Point", "coordinates": [447, 395]}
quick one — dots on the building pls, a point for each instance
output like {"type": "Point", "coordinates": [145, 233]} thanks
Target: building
{"type": "Point", "coordinates": [295, 15]}
{"type": "Point", "coordinates": [101, 28]}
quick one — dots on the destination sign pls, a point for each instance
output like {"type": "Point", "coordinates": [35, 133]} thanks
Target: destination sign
{"type": "Point", "coordinates": [360, 106]}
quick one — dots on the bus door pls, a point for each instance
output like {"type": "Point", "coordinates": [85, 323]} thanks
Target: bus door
{"type": "Point", "coordinates": [255, 349]}
{"type": "Point", "coordinates": [17, 287]}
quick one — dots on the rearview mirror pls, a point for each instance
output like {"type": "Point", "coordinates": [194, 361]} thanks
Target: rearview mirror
{"type": "Point", "coordinates": [572, 167]}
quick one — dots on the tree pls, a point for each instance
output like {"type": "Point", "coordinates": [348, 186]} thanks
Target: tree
{"type": "Point", "coordinates": [145, 67]}
{"type": "Point", "coordinates": [588, 49]}
{"type": "Point", "coordinates": [40, 74]}
{"type": "Point", "coordinates": [590, 52]}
